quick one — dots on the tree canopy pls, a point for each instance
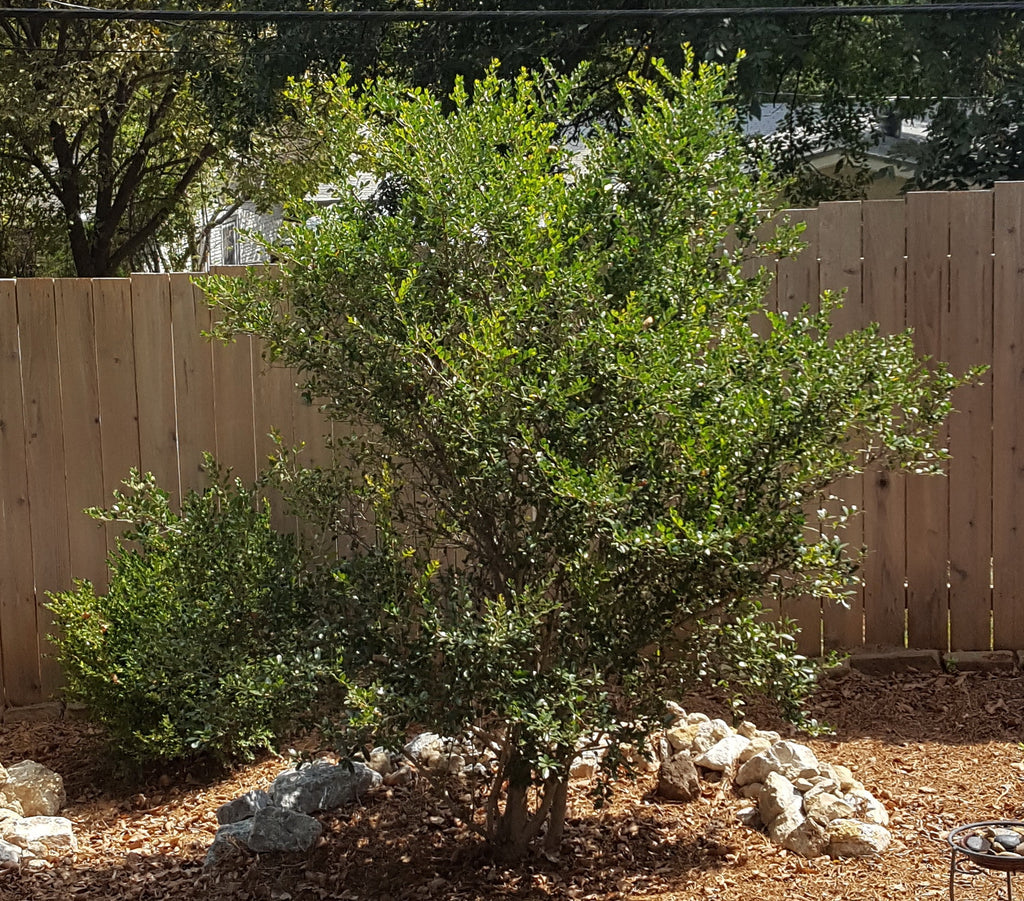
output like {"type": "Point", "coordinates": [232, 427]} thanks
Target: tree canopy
{"type": "Point", "coordinates": [552, 362]}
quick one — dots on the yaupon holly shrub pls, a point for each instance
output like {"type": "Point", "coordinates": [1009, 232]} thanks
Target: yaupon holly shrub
{"type": "Point", "coordinates": [211, 637]}
{"type": "Point", "coordinates": [547, 340]}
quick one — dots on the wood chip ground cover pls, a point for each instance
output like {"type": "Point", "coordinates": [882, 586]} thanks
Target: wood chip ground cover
{"type": "Point", "coordinates": [939, 750]}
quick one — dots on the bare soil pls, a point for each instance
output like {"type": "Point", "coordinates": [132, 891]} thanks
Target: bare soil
{"type": "Point", "coordinates": [940, 750]}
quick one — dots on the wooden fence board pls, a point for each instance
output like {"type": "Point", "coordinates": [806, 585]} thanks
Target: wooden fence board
{"type": "Point", "coordinates": [797, 287]}
{"type": "Point", "coordinates": [233, 399]}
{"type": "Point", "coordinates": [1007, 379]}
{"type": "Point", "coordinates": [193, 380]}
{"type": "Point", "coordinates": [44, 447]}
{"type": "Point", "coordinates": [154, 380]}
{"type": "Point", "coordinates": [928, 498]}
{"type": "Point", "coordinates": [839, 268]}
{"type": "Point", "coordinates": [80, 396]}
{"type": "Point", "coordinates": [884, 302]}
{"type": "Point", "coordinates": [969, 343]}
{"type": "Point", "coordinates": [115, 368]}
{"type": "Point", "coordinates": [19, 634]}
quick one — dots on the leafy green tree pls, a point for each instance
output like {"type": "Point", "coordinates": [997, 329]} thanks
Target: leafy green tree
{"type": "Point", "coordinates": [550, 351]}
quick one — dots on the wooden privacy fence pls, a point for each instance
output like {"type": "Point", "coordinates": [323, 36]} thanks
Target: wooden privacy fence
{"type": "Point", "coordinates": [97, 376]}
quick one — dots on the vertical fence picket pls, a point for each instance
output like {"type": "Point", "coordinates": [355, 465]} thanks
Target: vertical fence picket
{"type": "Point", "coordinates": [233, 399]}
{"type": "Point", "coordinates": [928, 496]}
{"type": "Point", "coordinates": [19, 643]}
{"type": "Point", "coordinates": [80, 406]}
{"type": "Point", "coordinates": [884, 302]}
{"type": "Point", "coordinates": [193, 380]}
{"type": "Point", "coordinates": [797, 287]}
{"type": "Point", "coordinates": [839, 268]}
{"type": "Point", "coordinates": [154, 380]}
{"type": "Point", "coordinates": [115, 367]}
{"type": "Point", "coordinates": [969, 343]}
{"type": "Point", "coordinates": [44, 445]}
{"type": "Point", "coordinates": [1007, 379]}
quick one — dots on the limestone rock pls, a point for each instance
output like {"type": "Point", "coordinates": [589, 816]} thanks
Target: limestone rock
{"type": "Point", "coordinates": [678, 779]}
{"type": "Point", "coordinates": [39, 789]}
{"type": "Point", "coordinates": [756, 746]}
{"type": "Point", "coordinates": [824, 806]}
{"type": "Point", "coordinates": [808, 839]}
{"type": "Point", "coordinates": [8, 802]}
{"type": "Point", "coordinates": [278, 829]}
{"type": "Point", "coordinates": [790, 759]}
{"type": "Point", "coordinates": [776, 795]}
{"type": "Point", "coordinates": [705, 739]}
{"type": "Point", "coordinates": [696, 718]}
{"type": "Point", "coordinates": [680, 738]}
{"type": "Point", "coordinates": [10, 855]}
{"type": "Point", "coordinates": [747, 729]}
{"type": "Point", "coordinates": [853, 838]}
{"type": "Point", "coordinates": [780, 828]}
{"type": "Point", "coordinates": [49, 837]}
{"type": "Point", "coordinates": [749, 816]}
{"type": "Point", "coordinates": [423, 744]}
{"type": "Point", "coordinates": [380, 761]}
{"type": "Point", "coordinates": [751, 790]}
{"type": "Point", "coordinates": [3, 775]}
{"type": "Point", "coordinates": [675, 712]}
{"type": "Point", "coordinates": [724, 755]}
{"type": "Point", "coordinates": [868, 807]}
{"type": "Point", "coordinates": [845, 778]}
{"type": "Point", "coordinates": [243, 807]}
{"type": "Point", "coordinates": [322, 786]}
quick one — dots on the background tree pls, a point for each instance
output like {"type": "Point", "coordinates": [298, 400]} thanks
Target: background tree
{"type": "Point", "coordinates": [552, 359]}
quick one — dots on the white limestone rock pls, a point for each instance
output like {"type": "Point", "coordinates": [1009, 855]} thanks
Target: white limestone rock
{"type": "Point", "coordinates": [867, 807]}
{"type": "Point", "coordinates": [723, 755]}
{"type": "Point", "coordinates": [854, 838]}
{"type": "Point", "coordinates": [10, 855]}
{"type": "Point", "coordinates": [777, 794]}
{"type": "Point", "coordinates": [825, 807]}
{"type": "Point", "coordinates": [780, 828]}
{"type": "Point", "coordinates": [39, 789]}
{"type": "Point", "coordinates": [52, 838]}
{"type": "Point", "coordinates": [790, 759]}
{"type": "Point", "coordinates": [809, 839]}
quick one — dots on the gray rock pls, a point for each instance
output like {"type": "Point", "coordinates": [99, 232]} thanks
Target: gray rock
{"type": "Point", "coordinates": [230, 838]}
{"type": "Point", "coordinates": [39, 789]}
{"type": "Point", "coordinates": [277, 829]}
{"type": "Point", "coordinates": [678, 779]}
{"type": "Point", "coordinates": [322, 786]}
{"type": "Point", "coordinates": [243, 807]}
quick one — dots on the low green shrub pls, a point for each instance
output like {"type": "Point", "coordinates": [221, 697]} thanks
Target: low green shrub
{"type": "Point", "coordinates": [211, 636]}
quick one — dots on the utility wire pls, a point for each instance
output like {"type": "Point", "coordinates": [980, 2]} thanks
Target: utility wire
{"type": "Point", "coordinates": [499, 15]}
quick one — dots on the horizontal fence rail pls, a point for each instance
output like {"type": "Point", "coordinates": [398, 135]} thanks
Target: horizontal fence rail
{"type": "Point", "coordinates": [98, 376]}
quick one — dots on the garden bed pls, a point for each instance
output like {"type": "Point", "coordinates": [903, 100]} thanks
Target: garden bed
{"type": "Point", "coordinates": [939, 750]}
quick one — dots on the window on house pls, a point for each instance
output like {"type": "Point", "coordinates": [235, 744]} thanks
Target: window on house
{"type": "Point", "coordinates": [229, 244]}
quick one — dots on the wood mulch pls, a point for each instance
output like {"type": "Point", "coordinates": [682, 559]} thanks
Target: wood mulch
{"type": "Point", "coordinates": [940, 750]}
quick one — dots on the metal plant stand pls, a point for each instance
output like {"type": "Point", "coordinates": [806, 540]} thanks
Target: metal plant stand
{"type": "Point", "coordinates": [959, 853]}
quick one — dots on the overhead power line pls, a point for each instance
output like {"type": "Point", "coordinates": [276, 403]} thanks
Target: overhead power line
{"type": "Point", "coordinates": [506, 15]}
